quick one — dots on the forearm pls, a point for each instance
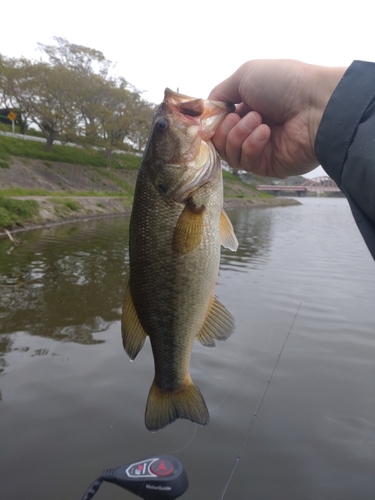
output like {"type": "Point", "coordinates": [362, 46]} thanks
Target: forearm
{"type": "Point", "coordinates": [345, 143]}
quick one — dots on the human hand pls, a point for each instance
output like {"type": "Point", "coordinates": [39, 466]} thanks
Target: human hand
{"type": "Point", "coordinates": [280, 104]}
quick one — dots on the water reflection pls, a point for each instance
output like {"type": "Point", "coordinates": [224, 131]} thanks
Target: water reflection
{"type": "Point", "coordinates": [64, 282]}
{"type": "Point", "coordinates": [67, 282]}
{"type": "Point", "coordinates": [254, 232]}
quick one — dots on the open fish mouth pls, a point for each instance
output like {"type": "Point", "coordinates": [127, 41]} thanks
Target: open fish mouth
{"type": "Point", "coordinates": [209, 113]}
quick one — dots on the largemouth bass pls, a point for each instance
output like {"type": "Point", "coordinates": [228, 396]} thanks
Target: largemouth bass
{"type": "Point", "coordinates": [176, 229]}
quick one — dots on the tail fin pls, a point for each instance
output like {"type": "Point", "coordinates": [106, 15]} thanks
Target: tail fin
{"type": "Point", "coordinates": [163, 407]}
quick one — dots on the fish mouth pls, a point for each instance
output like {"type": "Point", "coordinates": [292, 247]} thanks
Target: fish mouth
{"type": "Point", "coordinates": [207, 114]}
{"type": "Point", "coordinates": [172, 97]}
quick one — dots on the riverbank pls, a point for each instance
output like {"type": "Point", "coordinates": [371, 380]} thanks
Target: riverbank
{"type": "Point", "coordinates": [67, 192]}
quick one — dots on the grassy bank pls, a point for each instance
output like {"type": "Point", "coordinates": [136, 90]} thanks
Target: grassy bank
{"type": "Point", "coordinates": [10, 146]}
{"type": "Point", "coordinates": [72, 183]}
{"type": "Point", "coordinates": [18, 212]}
{"type": "Point", "coordinates": [22, 192]}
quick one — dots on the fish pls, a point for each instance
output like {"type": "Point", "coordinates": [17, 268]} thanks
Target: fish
{"type": "Point", "coordinates": [177, 227]}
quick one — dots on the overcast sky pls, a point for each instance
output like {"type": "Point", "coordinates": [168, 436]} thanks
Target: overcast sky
{"type": "Point", "coordinates": [193, 45]}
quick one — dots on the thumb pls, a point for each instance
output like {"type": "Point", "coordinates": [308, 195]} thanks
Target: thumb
{"type": "Point", "coordinates": [227, 91]}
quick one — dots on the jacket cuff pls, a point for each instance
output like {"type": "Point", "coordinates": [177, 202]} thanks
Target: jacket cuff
{"type": "Point", "coordinates": [342, 116]}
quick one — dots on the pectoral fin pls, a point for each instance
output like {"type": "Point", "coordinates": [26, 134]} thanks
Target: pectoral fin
{"type": "Point", "coordinates": [133, 334]}
{"type": "Point", "coordinates": [219, 325]}
{"type": "Point", "coordinates": [189, 229]}
{"type": "Point", "coordinates": [227, 237]}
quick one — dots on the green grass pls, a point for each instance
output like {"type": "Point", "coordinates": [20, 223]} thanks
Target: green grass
{"type": "Point", "coordinates": [65, 154]}
{"type": "Point", "coordinates": [68, 203]}
{"type": "Point", "coordinates": [14, 212]}
{"type": "Point", "coordinates": [4, 160]}
{"type": "Point", "coordinates": [16, 191]}
{"type": "Point", "coordinates": [122, 184]}
{"type": "Point", "coordinates": [127, 162]}
{"type": "Point", "coordinates": [228, 176]}
{"type": "Point", "coordinates": [263, 194]}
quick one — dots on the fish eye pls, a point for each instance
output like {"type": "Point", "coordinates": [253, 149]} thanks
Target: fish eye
{"type": "Point", "coordinates": [161, 124]}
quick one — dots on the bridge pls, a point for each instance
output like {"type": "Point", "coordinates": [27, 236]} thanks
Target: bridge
{"type": "Point", "coordinates": [319, 185]}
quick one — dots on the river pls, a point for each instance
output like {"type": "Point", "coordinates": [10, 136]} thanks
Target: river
{"type": "Point", "coordinates": [291, 394]}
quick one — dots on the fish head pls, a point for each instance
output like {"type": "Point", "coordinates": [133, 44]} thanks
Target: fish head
{"type": "Point", "coordinates": [179, 156]}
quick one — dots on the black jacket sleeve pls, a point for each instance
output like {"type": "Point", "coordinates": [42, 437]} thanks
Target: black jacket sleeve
{"type": "Point", "coordinates": [345, 144]}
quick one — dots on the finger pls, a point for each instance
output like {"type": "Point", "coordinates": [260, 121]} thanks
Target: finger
{"type": "Point", "coordinates": [242, 109]}
{"type": "Point", "coordinates": [253, 157]}
{"type": "Point", "coordinates": [220, 138]}
{"type": "Point", "coordinates": [238, 134]}
{"type": "Point", "coordinates": [227, 91]}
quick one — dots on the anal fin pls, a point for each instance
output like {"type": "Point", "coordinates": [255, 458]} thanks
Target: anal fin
{"type": "Point", "coordinates": [133, 334]}
{"type": "Point", "coordinates": [219, 325]}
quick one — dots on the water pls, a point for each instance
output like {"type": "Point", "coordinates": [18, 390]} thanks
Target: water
{"type": "Point", "coordinates": [73, 404]}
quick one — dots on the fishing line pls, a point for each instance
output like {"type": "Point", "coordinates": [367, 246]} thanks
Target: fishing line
{"type": "Point", "coordinates": [249, 361]}
{"type": "Point", "coordinates": [186, 444]}
{"type": "Point", "coordinates": [258, 406]}
{"type": "Point", "coordinates": [211, 410]}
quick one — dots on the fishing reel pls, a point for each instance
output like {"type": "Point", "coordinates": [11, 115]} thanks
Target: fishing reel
{"type": "Point", "coordinates": [153, 478]}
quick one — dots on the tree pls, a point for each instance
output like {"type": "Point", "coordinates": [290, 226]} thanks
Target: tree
{"type": "Point", "coordinates": [73, 97]}
{"type": "Point", "coordinates": [141, 124]}
{"type": "Point", "coordinates": [113, 113]}
{"type": "Point", "coordinates": [78, 58]}
{"type": "Point", "coordinates": [122, 117]}
{"type": "Point", "coordinates": [43, 93]}
{"type": "Point", "coordinates": [7, 100]}
{"type": "Point", "coordinates": [89, 72]}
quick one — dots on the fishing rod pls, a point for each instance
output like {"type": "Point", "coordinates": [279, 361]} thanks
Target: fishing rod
{"type": "Point", "coordinates": [153, 478]}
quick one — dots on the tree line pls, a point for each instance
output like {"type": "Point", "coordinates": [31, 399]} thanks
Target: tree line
{"type": "Point", "coordinates": [71, 95]}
